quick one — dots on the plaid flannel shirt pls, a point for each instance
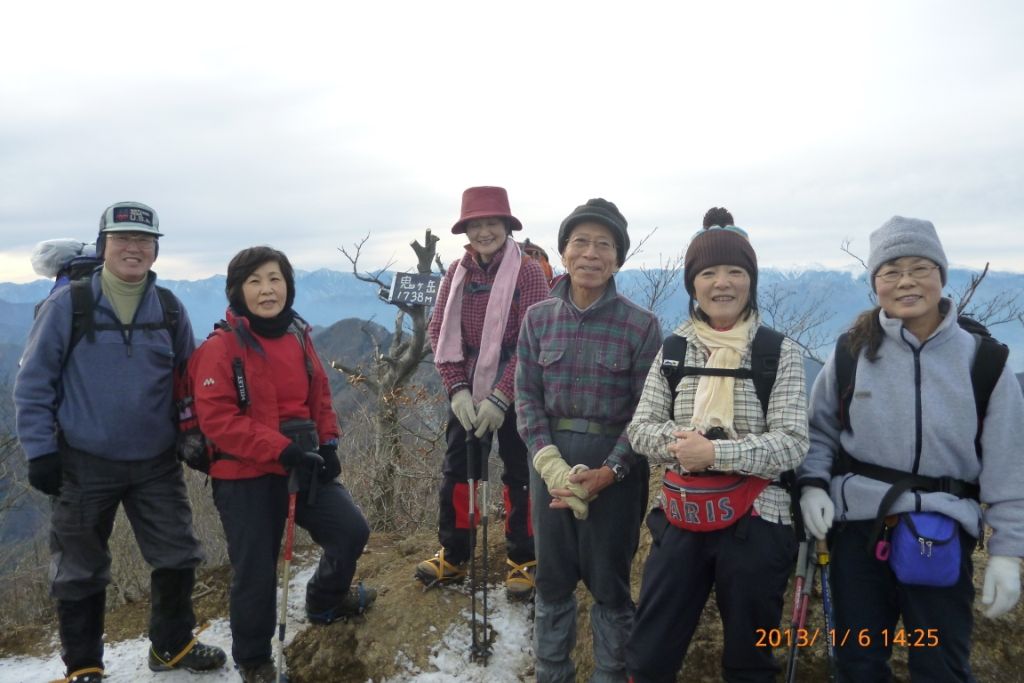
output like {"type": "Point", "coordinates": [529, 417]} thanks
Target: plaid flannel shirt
{"type": "Point", "coordinates": [583, 364]}
{"type": "Point", "coordinates": [763, 450]}
{"type": "Point", "coordinates": [531, 287]}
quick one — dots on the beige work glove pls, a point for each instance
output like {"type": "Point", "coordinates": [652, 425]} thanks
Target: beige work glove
{"type": "Point", "coordinates": [490, 414]}
{"type": "Point", "coordinates": [465, 411]}
{"type": "Point", "coordinates": [555, 472]}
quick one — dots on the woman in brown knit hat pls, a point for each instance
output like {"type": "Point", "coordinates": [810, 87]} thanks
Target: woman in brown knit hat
{"type": "Point", "coordinates": [721, 519]}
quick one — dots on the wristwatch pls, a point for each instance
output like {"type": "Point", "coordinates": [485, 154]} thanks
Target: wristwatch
{"type": "Point", "coordinates": [618, 469]}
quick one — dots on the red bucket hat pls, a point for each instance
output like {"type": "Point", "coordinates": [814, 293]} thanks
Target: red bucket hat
{"type": "Point", "coordinates": [485, 202]}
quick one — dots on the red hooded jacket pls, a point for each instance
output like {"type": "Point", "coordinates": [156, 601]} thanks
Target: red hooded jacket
{"type": "Point", "coordinates": [247, 441]}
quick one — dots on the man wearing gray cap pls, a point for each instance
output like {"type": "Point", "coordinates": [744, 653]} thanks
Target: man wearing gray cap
{"type": "Point", "coordinates": [94, 416]}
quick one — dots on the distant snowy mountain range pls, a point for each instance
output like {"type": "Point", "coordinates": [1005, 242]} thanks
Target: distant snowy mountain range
{"type": "Point", "coordinates": [324, 297]}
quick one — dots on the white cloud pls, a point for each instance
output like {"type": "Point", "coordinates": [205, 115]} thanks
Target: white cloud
{"type": "Point", "coordinates": [308, 127]}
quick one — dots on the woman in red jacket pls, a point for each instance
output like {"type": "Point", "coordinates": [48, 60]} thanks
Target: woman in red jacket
{"type": "Point", "coordinates": [252, 378]}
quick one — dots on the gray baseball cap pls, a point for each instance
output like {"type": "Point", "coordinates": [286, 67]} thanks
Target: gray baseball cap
{"type": "Point", "coordinates": [130, 217]}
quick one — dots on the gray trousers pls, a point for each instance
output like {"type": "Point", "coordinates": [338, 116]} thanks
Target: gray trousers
{"type": "Point", "coordinates": [154, 498]}
{"type": "Point", "coordinates": [599, 551]}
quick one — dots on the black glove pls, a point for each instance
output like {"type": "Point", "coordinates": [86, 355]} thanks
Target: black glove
{"type": "Point", "coordinates": [331, 468]}
{"type": "Point", "coordinates": [44, 473]}
{"type": "Point", "coordinates": [293, 456]}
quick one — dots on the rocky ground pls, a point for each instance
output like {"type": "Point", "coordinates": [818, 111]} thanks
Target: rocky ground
{"type": "Point", "coordinates": [402, 637]}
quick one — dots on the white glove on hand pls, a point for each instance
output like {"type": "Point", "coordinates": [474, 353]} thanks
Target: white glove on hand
{"type": "Point", "coordinates": [818, 511]}
{"type": "Point", "coordinates": [465, 411]}
{"type": "Point", "coordinates": [490, 415]}
{"type": "Point", "coordinates": [1002, 585]}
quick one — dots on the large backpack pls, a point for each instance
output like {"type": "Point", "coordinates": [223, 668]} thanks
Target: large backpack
{"type": "Point", "coordinates": [989, 360]}
{"type": "Point", "coordinates": [193, 447]}
{"type": "Point", "coordinates": [72, 262]}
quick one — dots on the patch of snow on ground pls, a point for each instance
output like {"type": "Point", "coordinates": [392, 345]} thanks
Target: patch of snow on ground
{"type": "Point", "coordinates": [512, 650]}
{"type": "Point", "coordinates": [126, 661]}
{"type": "Point", "coordinates": [511, 659]}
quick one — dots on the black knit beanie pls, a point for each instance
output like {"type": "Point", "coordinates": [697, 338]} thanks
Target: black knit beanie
{"type": "Point", "coordinates": [600, 211]}
{"type": "Point", "coordinates": [719, 247]}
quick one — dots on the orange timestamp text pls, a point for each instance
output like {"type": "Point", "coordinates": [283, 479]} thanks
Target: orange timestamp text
{"type": "Point", "coordinates": [865, 637]}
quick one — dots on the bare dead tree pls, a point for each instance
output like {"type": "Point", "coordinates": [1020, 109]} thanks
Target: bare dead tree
{"type": "Point", "coordinates": [389, 376]}
{"type": "Point", "coordinates": [799, 317]}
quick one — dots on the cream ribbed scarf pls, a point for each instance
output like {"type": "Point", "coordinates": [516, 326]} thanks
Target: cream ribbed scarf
{"type": "Point", "coordinates": [713, 403]}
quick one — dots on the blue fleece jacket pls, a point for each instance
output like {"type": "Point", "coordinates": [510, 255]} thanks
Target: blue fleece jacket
{"type": "Point", "coordinates": [889, 398]}
{"type": "Point", "coordinates": [114, 396]}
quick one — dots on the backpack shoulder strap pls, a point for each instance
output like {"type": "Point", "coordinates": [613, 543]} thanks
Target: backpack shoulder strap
{"type": "Point", "coordinates": [171, 308]}
{"type": "Point", "coordinates": [82, 304]}
{"type": "Point", "coordinates": [846, 376]}
{"type": "Point", "coordinates": [989, 360]}
{"type": "Point", "coordinates": [673, 356]}
{"type": "Point", "coordinates": [766, 349]}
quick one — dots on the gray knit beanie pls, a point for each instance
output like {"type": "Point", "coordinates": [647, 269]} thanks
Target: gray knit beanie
{"type": "Point", "coordinates": [899, 237]}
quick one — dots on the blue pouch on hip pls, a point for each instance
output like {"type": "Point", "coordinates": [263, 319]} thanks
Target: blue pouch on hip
{"type": "Point", "coordinates": [926, 550]}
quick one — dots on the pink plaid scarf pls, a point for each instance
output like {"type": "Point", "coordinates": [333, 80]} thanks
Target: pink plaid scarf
{"type": "Point", "coordinates": [499, 304]}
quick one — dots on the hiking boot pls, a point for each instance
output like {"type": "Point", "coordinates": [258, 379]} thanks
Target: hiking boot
{"type": "Point", "coordinates": [264, 672]}
{"type": "Point", "coordinates": [93, 674]}
{"type": "Point", "coordinates": [194, 657]}
{"type": "Point", "coordinates": [519, 583]}
{"type": "Point", "coordinates": [438, 570]}
{"type": "Point", "coordinates": [357, 601]}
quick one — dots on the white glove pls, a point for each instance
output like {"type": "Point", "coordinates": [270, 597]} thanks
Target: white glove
{"type": "Point", "coordinates": [490, 415]}
{"type": "Point", "coordinates": [465, 411]}
{"type": "Point", "coordinates": [1002, 585]}
{"type": "Point", "coordinates": [818, 511]}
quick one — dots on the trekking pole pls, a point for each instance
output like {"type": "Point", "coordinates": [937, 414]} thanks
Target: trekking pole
{"type": "Point", "coordinates": [801, 601]}
{"type": "Point", "coordinates": [798, 587]}
{"type": "Point", "coordinates": [289, 541]}
{"type": "Point", "coordinates": [826, 603]}
{"type": "Point", "coordinates": [472, 474]}
{"type": "Point", "coordinates": [484, 647]}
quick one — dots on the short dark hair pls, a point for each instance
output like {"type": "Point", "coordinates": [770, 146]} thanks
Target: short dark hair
{"type": "Point", "coordinates": [245, 264]}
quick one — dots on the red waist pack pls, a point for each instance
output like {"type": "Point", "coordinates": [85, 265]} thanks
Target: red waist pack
{"type": "Point", "coordinates": [709, 502]}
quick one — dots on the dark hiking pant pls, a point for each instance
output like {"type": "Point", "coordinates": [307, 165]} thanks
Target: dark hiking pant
{"type": "Point", "coordinates": [748, 564]}
{"type": "Point", "coordinates": [453, 520]}
{"type": "Point", "coordinates": [155, 502]}
{"type": "Point", "coordinates": [867, 595]}
{"type": "Point", "coordinates": [598, 551]}
{"type": "Point", "coordinates": [254, 513]}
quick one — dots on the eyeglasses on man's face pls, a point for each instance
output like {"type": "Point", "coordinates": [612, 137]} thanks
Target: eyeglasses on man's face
{"type": "Point", "coordinates": [893, 275]}
{"type": "Point", "coordinates": [581, 244]}
{"type": "Point", "coordinates": [140, 241]}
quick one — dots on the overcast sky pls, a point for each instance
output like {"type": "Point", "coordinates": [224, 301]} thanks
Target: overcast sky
{"type": "Point", "coordinates": [310, 125]}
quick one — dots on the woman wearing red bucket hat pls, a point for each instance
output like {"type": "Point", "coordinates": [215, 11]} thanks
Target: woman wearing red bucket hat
{"type": "Point", "coordinates": [473, 332]}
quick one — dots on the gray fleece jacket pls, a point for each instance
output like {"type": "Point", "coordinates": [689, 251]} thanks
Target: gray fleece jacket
{"type": "Point", "coordinates": [928, 382]}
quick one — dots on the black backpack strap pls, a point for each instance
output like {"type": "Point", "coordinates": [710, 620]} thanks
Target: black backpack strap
{"type": "Point", "coordinates": [673, 357]}
{"type": "Point", "coordinates": [989, 360]}
{"type": "Point", "coordinates": [846, 376]}
{"type": "Point", "coordinates": [83, 303]}
{"type": "Point", "coordinates": [171, 308]}
{"type": "Point", "coordinates": [764, 363]}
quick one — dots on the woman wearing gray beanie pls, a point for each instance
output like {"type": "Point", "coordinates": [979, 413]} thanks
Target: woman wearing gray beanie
{"type": "Point", "coordinates": [897, 417]}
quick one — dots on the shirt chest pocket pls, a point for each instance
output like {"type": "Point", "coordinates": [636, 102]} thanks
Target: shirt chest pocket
{"type": "Point", "coordinates": [613, 361]}
{"type": "Point", "coordinates": [550, 357]}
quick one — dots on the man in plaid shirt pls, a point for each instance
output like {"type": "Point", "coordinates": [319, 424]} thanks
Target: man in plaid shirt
{"type": "Point", "coordinates": [583, 356]}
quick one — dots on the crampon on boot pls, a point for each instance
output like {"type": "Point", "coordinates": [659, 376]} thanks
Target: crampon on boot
{"type": "Point", "coordinates": [438, 571]}
{"type": "Point", "coordinates": [194, 657]}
